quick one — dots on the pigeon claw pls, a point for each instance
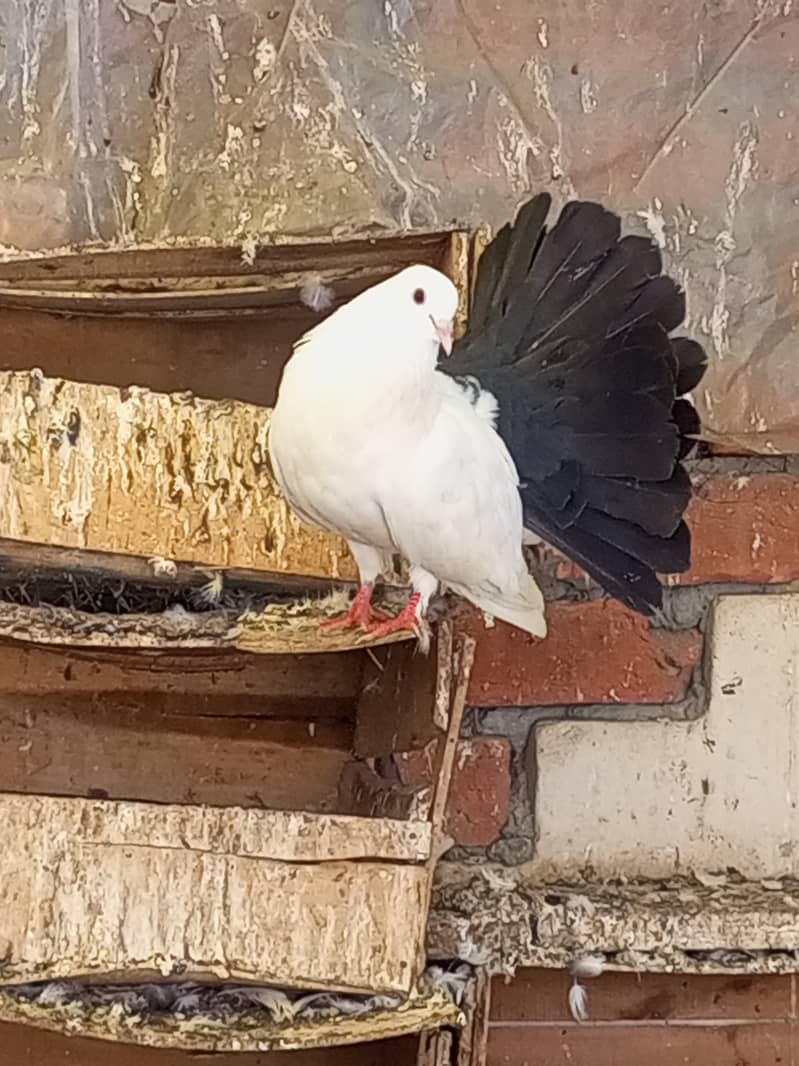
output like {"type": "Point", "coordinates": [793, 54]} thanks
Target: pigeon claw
{"type": "Point", "coordinates": [361, 613]}
{"type": "Point", "coordinates": [407, 621]}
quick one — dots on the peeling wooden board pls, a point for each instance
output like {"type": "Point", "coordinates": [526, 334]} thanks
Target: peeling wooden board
{"type": "Point", "coordinates": [78, 899]}
{"type": "Point", "coordinates": [473, 1037]}
{"type": "Point", "coordinates": [396, 711]}
{"type": "Point", "coordinates": [228, 677]}
{"type": "Point", "coordinates": [32, 1039]}
{"type": "Point", "coordinates": [435, 1048]}
{"type": "Point", "coordinates": [148, 474]}
{"type": "Point", "coordinates": [280, 629]}
{"type": "Point", "coordinates": [286, 836]}
{"type": "Point", "coordinates": [508, 921]}
{"type": "Point", "coordinates": [137, 747]}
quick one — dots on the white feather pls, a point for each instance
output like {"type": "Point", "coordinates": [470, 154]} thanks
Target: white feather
{"type": "Point", "coordinates": [578, 1002]}
{"type": "Point", "coordinates": [587, 966]}
{"type": "Point", "coordinates": [316, 296]}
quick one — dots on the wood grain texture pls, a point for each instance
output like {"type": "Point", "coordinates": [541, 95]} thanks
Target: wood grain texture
{"type": "Point", "coordinates": [148, 474]}
{"type": "Point", "coordinates": [25, 1045]}
{"type": "Point", "coordinates": [543, 995]}
{"type": "Point", "coordinates": [747, 1044]}
{"type": "Point", "coordinates": [78, 896]}
{"type": "Point", "coordinates": [246, 1032]}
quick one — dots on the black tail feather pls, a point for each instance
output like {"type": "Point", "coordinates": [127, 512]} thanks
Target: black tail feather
{"type": "Point", "coordinates": [570, 331]}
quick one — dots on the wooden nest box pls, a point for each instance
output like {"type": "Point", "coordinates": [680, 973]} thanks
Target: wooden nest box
{"type": "Point", "coordinates": [195, 783]}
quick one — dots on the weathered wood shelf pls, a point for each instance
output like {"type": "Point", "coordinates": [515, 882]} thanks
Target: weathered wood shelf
{"type": "Point", "coordinates": [318, 877]}
{"type": "Point", "coordinates": [185, 792]}
{"type": "Point", "coordinates": [426, 1010]}
{"type": "Point", "coordinates": [278, 629]}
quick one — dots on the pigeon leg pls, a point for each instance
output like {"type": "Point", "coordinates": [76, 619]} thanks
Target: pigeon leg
{"type": "Point", "coordinates": [410, 618]}
{"type": "Point", "coordinates": [406, 621]}
{"type": "Point", "coordinates": [361, 612]}
{"type": "Point", "coordinates": [370, 563]}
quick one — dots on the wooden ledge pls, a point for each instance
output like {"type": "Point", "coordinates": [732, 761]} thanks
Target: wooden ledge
{"type": "Point", "coordinates": [281, 628]}
{"type": "Point", "coordinates": [430, 1010]}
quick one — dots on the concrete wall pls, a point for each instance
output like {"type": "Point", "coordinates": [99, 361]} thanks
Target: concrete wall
{"type": "Point", "coordinates": [241, 120]}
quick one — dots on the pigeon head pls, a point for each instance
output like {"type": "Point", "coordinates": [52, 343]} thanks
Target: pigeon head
{"type": "Point", "coordinates": [428, 301]}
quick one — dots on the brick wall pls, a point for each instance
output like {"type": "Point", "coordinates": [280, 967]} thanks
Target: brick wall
{"type": "Point", "coordinates": [551, 723]}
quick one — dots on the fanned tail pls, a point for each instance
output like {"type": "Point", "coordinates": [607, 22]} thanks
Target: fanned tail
{"type": "Point", "coordinates": [570, 331]}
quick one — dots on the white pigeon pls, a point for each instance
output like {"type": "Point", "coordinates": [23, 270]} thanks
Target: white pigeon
{"type": "Point", "coordinates": [560, 416]}
{"type": "Point", "coordinates": [371, 441]}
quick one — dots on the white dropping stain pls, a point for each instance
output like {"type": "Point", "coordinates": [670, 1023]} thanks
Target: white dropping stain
{"type": "Point", "coordinates": [163, 567]}
{"type": "Point", "coordinates": [655, 222]}
{"type": "Point", "coordinates": [786, 7]}
{"type": "Point", "coordinates": [700, 50]}
{"type": "Point", "coordinates": [757, 544]}
{"type": "Point", "coordinates": [471, 96]}
{"type": "Point", "coordinates": [265, 57]}
{"type": "Point", "coordinates": [795, 277]}
{"type": "Point", "coordinates": [588, 100]}
{"type": "Point", "coordinates": [392, 17]}
{"type": "Point", "coordinates": [215, 33]}
{"type": "Point", "coordinates": [541, 77]}
{"type": "Point", "coordinates": [543, 33]}
{"type": "Point", "coordinates": [513, 144]}
{"type": "Point", "coordinates": [234, 147]}
{"type": "Point", "coordinates": [419, 90]}
{"type": "Point", "coordinates": [741, 482]}
{"type": "Point", "coordinates": [740, 175]}
{"type": "Point", "coordinates": [249, 249]}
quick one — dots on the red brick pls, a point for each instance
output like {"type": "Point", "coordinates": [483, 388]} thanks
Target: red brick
{"type": "Point", "coordinates": [598, 652]}
{"type": "Point", "coordinates": [479, 798]}
{"type": "Point", "coordinates": [744, 529]}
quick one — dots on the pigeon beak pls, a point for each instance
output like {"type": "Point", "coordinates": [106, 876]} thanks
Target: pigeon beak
{"type": "Point", "coordinates": [444, 333]}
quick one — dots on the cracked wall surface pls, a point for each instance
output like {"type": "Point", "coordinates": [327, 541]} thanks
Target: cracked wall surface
{"type": "Point", "coordinates": [236, 121]}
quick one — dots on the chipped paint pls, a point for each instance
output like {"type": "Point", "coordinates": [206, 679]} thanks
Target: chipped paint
{"type": "Point", "coordinates": [540, 75]}
{"type": "Point", "coordinates": [655, 222]}
{"type": "Point", "coordinates": [740, 175]}
{"type": "Point", "coordinates": [264, 59]}
{"type": "Point", "coordinates": [588, 97]}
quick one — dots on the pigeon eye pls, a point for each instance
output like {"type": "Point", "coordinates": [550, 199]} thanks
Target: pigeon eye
{"type": "Point", "coordinates": [419, 296]}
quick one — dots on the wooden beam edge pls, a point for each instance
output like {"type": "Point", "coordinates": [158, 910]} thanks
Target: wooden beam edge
{"type": "Point", "coordinates": [202, 1034]}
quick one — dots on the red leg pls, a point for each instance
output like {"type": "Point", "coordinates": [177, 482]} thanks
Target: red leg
{"type": "Point", "coordinates": [361, 612]}
{"type": "Point", "coordinates": [406, 621]}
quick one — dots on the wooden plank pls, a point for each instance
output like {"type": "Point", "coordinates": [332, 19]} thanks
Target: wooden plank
{"type": "Point", "coordinates": [542, 995]}
{"type": "Point", "coordinates": [98, 266]}
{"type": "Point", "coordinates": [243, 1032]}
{"type": "Point", "coordinates": [129, 746]}
{"type": "Point", "coordinates": [366, 792]}
{"type": "Point", "coordinates": [25, 1045]}
{"type": "Point", "coordinates": [454, 680]}
{"type": "Point", "coordinates": [473, 1037]}
{"type": "Point", "coordinates": [327, 683]}
{"type": "Point", "coordinates": [753, 1044]}
{"type": "Point", "coordinates": [280, 628]}
{"type": "Point", "coordinates": [398, 699]}
{"type": "Point", "coordinates": [435, 1049]}
{"type": "Point", "coordinates": [285, 836]}
{"type": "Point", "coordinates": [77, 895]}
{"type": "Point", "coordinates": [232, 357]}
{"type": "Point", "coordinates": [148, 474]}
